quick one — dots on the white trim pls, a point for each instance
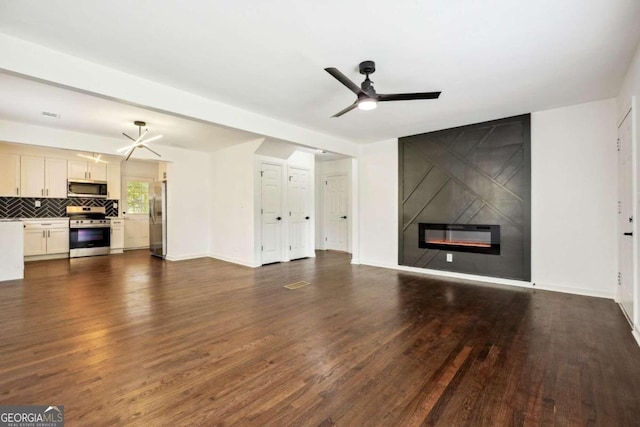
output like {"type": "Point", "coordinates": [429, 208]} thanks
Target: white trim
{"type": "Point", "coordinates": [185, 257]}
{"type": "Point", "coordinates": [233, 260]}
{"type": "Point", "coordinates": [636, 335]}
{"type": "Point", "coordinates": [493, 280]}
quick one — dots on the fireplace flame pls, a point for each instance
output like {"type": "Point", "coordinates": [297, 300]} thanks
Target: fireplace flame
{"type": "Point", "coordinates": [459, 243]}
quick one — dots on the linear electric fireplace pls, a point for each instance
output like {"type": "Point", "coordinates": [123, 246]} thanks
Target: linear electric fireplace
{"type": "Point", "coordinates": [483, 239]}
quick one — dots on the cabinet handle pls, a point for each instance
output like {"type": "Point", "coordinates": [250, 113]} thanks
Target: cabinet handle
{"type": "Point", "coordinates": [17, 191]}
{"type": "Point", "coordinates": [48, 233]}
{"type": "Point", "coordinates": [43, 234]}
{"type": "Point", "coordinates": [42, 192]}
{"type": "Point", "coordinates": [47, 191]}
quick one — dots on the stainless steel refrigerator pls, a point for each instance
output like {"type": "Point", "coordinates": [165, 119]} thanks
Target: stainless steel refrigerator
{"type": "Point", "coordinates": [158, 219]}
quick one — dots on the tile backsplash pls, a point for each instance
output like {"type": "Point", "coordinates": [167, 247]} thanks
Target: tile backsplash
{"type": "Point", "coordinates": [24, 207]}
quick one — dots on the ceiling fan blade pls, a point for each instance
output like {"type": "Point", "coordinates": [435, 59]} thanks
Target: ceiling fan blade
{"type": "Point", "coordinates": [408, 96]}
{"type": "Point", "coordinates": [130, 153]}
{"type": "Point", "coordinates": [344, 80]}
{"type": "Point", "coordinates": [123, 149]}
{"type": "Point", "coordinates": [128, 137]}
{"type": "Point", "coordinates": [150, 139]}
{"type": "Point", "coordinates": [346, 110]}
{"type": "Point", "coordinates": [144, 146]}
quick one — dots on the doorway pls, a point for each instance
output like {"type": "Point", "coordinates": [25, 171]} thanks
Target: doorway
{"type": "Point", "coordinates": [298, 200]}
{"type": "Point", "coordinates": [625, 217]}
{"type": "Point", "coordinates": [135, 210]}
{"type": "Point", "coordinates": [271, 212]}
{"type": "Point", "coordinates": [336, 207]}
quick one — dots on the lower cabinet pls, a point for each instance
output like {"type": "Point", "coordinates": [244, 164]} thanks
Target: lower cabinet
{"type": "Point", "coordinates": [117, 235]}
{"type": "Point", "coordinates": [46, 237]}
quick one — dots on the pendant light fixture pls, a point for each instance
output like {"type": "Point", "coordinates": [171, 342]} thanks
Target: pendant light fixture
{"type": "Point", "coordinates": [94, 158]}
{"type": "Point", "coordinates": [139, 142]}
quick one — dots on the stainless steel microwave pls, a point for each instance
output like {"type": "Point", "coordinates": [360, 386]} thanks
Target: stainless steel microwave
{"type": "Point", "coordinates": [86, 188]}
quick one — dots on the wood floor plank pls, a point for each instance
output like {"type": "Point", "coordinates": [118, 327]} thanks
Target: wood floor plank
{"type": "Point", "coordinates": [134, 340]}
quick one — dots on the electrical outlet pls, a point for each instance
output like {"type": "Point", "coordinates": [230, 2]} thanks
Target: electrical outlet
{"type": "Point", "coordinates": [115, 205]}
{"type": "Point", "coordinates": [38, 203]}
{"type": "Point", "coordinates": [449, 257]}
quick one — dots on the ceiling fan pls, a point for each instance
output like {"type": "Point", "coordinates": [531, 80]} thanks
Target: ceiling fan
{"type": "Point", "coordinates": [139, 142]}
{"type": "Point", "coordinates": [367, 96]}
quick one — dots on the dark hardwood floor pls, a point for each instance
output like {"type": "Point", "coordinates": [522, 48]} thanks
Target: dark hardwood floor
{"type": "Point", "coordinates": [134, 340]}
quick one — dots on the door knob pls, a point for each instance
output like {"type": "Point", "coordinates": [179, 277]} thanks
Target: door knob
{"type": "Point", "coordinates": [344, 217]}
{"type": "Point", "coordinates": [279, 218]}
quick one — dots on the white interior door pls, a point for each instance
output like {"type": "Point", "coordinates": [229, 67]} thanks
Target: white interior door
{"type": "Point", "coordinates": [271, 183]}
{"type": "Point", "coordinates": [336, 198]}
{"type": "Point", "coordinates": [135, 210]}
{"type": "Point", "coordinates": [625, 218]}
{"type": "Point", "coordinates": [299, 214]}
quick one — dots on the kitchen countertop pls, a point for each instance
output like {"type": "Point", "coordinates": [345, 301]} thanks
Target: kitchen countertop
{"type": "Point", "coordinates": [10, 220]}
{"type": "Point", "coordinates": [44, 219]}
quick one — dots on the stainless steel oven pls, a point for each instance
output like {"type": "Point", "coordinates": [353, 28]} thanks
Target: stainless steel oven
{"type": "Point", "coordinates": [89, 231]}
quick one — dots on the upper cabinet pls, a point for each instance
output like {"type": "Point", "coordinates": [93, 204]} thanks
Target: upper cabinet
{"type": "Point", "coordinates": [87, 170]}
{"type": "Point", "coordinates": [113, 181]}
{"type": "Point", "coordinates": [41, 177]}
{"type": "Point", "coordinates": [9, 175]}
{"type": "Point", "coordinates": [55, 178]}
{"type": "Point", "coordinates": [32, 176]}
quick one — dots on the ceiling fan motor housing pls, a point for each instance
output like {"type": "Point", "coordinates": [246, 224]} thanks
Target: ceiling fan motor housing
{"type": "Point", "coordinates": [367, 67]}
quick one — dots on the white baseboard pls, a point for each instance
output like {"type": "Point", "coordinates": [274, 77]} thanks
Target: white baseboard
{"type": "Point", "coordinates": [185, 257]}
{"type": "Point", "coordinates": [636, 335]}
{"type": "Point", "coordinates": [495, 280]}
{"type": "Point", "coordinates": [234, 260]}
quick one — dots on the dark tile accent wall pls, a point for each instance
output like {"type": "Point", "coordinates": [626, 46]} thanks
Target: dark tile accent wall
{"type": "Point", "coordinates": [476, 174]}
{"type": "Point", "coordinates": [24, 207]}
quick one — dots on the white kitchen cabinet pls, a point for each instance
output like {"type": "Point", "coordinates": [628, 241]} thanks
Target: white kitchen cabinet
{"type": "Point", "coordinates": [43, 177]}
{"type": "Point", "coordinates": [87, 170]}
{"type": "Point", "coordinates": [117, 235]}
{"type": "Point", "coordinates": [55, 178]}
{"type": "Point", "coordinates": [46, 237]}
{"type": "Point", "coordinates": [113, 181]}
{"type": "Point", "coordinates": [97, 171]}
{"type": "Point", "coordinates": [9, 175]}
{"type": "Point", "coordinates": [31, 176]}
{"type": "Point", "coordinates": [35, 241]}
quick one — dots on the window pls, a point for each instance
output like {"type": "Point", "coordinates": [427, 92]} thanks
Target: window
{"type": "Point", "coordinates": [137, 197]}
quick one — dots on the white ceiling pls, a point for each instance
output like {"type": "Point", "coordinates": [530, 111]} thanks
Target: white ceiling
{"type": "Point", "coordinates": [490, 59]}
{"type": "Point", "coordinates": [24, 100]}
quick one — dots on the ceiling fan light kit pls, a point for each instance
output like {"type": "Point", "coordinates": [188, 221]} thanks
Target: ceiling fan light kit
{"type": "Point", "coordinates": [140, 142]}
{"type": "Point", "coordinates": [368, 98]}
{"type": "Point", "coordinates": [93, 157]}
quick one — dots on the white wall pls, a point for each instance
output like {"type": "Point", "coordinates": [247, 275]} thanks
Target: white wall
{"type": "Point", "coordinates": [232, 204]}
{"type": "Point", "coordinates": [139, 168]}
{"type": "Point", "coordinates": [323, 170]}
{"type": "Point", "coordinates": [630, 85]}
{"type": "Point", "coordinates": [378, 178]}
{"type": "Point", "coordinates": [573, 198]}
{"type": "Point", "coordinates": [574, 181]}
